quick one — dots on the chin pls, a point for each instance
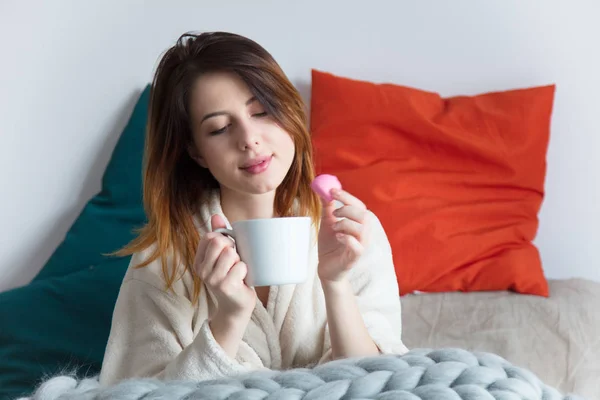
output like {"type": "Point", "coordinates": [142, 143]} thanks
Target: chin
{"type": "Point", "coordinates": [263, 188]}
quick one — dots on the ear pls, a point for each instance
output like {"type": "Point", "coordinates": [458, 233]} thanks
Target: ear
{"type": "Point", "coordinates": [195, 155]}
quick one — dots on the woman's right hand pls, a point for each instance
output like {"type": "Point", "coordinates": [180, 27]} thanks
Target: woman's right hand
{"type": "Point", "coordinates": [219, 266]}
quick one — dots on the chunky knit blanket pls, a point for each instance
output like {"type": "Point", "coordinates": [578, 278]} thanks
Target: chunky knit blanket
{"type": "Point", "coordinates": [444, 374]}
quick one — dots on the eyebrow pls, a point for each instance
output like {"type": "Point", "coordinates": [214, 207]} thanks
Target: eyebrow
{"type": "Point", "coordinates": [217, 113]}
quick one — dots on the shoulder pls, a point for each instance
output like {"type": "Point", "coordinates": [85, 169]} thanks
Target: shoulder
{"type": "Point", "coordinates": [153, 275]}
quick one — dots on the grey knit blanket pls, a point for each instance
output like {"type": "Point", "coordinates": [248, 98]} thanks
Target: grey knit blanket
{"type": "Point", "coordinates": [444, 374]}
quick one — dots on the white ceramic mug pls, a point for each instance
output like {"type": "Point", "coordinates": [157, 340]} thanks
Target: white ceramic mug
{"type": "Point", "coordinates": [274, 249]}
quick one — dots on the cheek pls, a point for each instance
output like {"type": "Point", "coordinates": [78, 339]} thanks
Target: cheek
{"type": "Point", "coordinates": [286, 142]}
{"type": "Point", "coordinates": [195, 152]}
{"type": "Point", "coordinates": [211, 151]}
{"type": "Point", "coordinates": [216, 160]}
{"type": "Point", "coordinates": [292, 147]}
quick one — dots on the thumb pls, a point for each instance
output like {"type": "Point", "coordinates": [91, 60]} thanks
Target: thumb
{"type": "Point", "coordinates": [217, 222]}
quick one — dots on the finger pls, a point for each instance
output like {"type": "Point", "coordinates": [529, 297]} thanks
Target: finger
{"type": "Point", "coordinates": [238, 272]}
{"type": "Point", "coordinates": [347, 198]}
{"type": "Point", "coordinates": [214, 249]}
{"type": "Point", "coordinates": [327, 213]}
{"type": "Point", "coordinates": [200, 252]}
{"type": "Point", "coordinates": [226, 260]}
{"type": "Point", "coordinates": [222, 240]}
{"type": "Point", "coordinates": [352, 244]}
{"type": "Point", "coordinates": [217, 221]}
{"type": "Point", "coordinates": [349, 227]}
{"type": "Point", "coordinates": [201, 249]}
{"type": "Point", "coordinates": [207, 237]}
{"type": "Point", "coordinates": [351, 212]}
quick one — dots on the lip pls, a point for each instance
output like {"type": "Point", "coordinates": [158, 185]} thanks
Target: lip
{"type": "Point", "coordinates": [257, 164]}
{"type": "Point", "coordinates": [256, 161]}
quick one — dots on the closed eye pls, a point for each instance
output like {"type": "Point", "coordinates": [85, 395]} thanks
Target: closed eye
{"type": "Point", "coordinates": [218, 131]}
{"type": "Point", "coordinates": [224, 129]}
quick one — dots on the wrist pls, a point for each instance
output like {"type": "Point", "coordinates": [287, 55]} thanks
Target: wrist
{"type": "Point", "coordinates": [222, 324]}
{"type": "Point", "coordinates": [232, 319]}
{"type": "Point", "coordinates": [336, 287]}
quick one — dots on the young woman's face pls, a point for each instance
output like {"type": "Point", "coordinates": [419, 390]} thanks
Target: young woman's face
{"type": "Point", "coordinates": [242, 146]}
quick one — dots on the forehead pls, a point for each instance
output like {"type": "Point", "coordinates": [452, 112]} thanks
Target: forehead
{"type": "Point", "coordinates": [218, 91]}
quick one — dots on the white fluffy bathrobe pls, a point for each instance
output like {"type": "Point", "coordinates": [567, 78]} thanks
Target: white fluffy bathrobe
{"type": "Point", "coordinates": [160, 333]}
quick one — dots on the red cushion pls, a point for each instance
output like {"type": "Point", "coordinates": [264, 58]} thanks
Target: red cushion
{"type": "Point", "coordinates": [456, 182]}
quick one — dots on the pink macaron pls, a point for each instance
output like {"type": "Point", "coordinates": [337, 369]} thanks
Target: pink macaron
{"type": "Point", "coordinates": [323, 184]}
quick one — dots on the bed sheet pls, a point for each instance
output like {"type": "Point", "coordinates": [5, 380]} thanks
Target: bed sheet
{"type": "Point", "coordinates": [557, 338]}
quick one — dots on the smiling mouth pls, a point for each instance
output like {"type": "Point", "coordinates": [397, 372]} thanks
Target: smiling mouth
{"type": "Point", "coordinates": [256, 161]}
{"type": "Point", "coordinates": [258, 165]}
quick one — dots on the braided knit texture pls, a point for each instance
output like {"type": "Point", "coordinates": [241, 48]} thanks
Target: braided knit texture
{"type": "Point", "coordinates": [421, 374]}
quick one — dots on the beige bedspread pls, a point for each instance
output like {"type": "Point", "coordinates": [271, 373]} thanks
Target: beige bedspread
{"type": "Point", "coordinates": [558, 338]}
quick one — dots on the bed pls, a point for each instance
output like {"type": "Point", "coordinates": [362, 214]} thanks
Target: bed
{"type": "Point", "coordinates": [455, 341]}
{"type": "Point", "coordinates": [60, 321]}
{"type": "Point", "coordinates": [557, 338]}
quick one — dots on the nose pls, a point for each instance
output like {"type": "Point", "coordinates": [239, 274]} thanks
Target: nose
{"type": "Point", "coordinates": [248, 136]}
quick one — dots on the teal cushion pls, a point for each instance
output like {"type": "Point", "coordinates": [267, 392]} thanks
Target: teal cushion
{"type": "Point", "coordinates": [62, 319]}
{"type": "Point", "coordinates": [57, 325]}
{"type": "Point", "coordinates": [108, 219]}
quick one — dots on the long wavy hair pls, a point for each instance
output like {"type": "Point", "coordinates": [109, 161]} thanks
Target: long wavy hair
{"type": "Point", "coordinates": [174, 185]}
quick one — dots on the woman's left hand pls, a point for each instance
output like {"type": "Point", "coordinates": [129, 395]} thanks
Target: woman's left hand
{"type": "Point", "coordinates": [341, 241]}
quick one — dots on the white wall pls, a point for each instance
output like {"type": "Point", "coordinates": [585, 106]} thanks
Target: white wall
{"type": "Point", "coordinates": [70, 69]}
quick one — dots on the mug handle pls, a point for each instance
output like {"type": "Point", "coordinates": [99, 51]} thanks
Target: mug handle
{"type": "Point", "coordinates": [226, 232]}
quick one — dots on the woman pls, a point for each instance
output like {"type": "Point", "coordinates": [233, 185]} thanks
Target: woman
{"type": "Point", "coordinates": [227, 140]}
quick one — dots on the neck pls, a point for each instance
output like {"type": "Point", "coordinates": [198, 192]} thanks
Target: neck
{"type": "Point", "coordinates": [240, 206]}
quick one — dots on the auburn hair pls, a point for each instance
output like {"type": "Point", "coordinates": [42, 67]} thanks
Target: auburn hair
{"type": "Point", "coordinates": [174, 185]}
